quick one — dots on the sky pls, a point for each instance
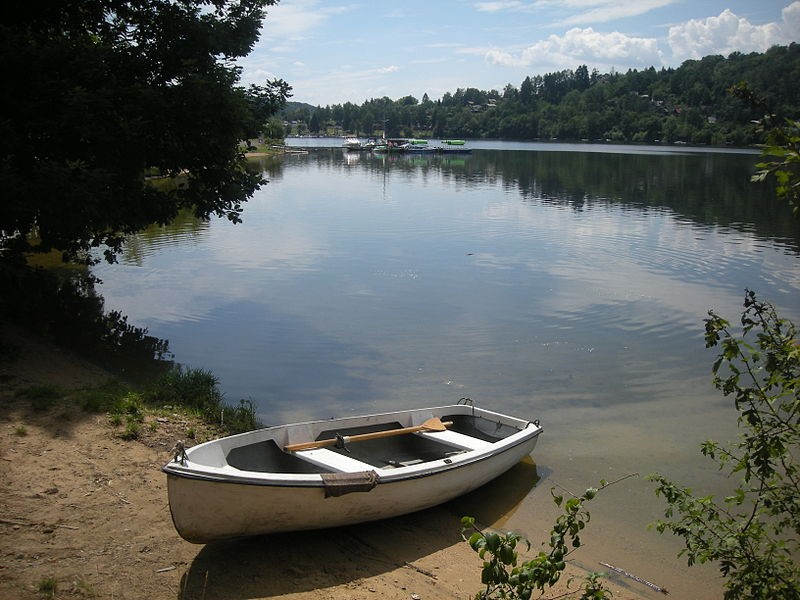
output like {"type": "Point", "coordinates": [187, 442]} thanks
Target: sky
{"type": "Point", "coordinates": [336, 51]}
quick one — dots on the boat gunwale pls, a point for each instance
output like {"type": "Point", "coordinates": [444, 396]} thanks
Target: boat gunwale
{"type": "Point", "coordinates": [385, 476]}
{"type": "Point", "coordinates": [230, 474]}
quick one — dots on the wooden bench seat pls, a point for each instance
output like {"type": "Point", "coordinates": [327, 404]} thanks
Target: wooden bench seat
{"type": "Point", "coordinates": [328, 459]}
{"type": "Point", "coordinates": [453, 438]}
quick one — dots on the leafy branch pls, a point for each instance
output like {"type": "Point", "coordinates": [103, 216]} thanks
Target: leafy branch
{"type": "Point", "coordinates": [506, 577]}
{"type": "Point", "coordinates": [782, 144]}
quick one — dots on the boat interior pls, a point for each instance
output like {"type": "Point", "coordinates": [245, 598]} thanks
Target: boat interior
{"type": "Point", "coordinates": [465, 433]}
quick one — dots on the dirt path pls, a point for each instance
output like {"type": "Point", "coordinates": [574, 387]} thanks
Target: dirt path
{"type": "Point", "coordinates": [88, 510]}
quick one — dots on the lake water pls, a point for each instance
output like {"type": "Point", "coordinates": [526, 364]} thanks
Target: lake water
{"type": "Point", "coordinates": [566, 283]}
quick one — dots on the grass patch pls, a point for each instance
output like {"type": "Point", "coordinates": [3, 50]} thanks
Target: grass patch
{"type": "Point", "coordinates": [194, 391]}
{"type": "Point", "coordinates": [130, 408]}
{"type": "Point", "coordinates": [41, 397]}
{"type": "Point", "coordinates": [83, 588]}
{"type": "Point", "coordinates": [132, 431]}
{"type": "Point", "coordinates": [20, 431]}
{"type": "Point", "coordinates": [48, 587]}
{"type": "Point", "coordinates": [240, 418]}
{"type": "Point", "coordinates": [198, 391]}
{"type": "Point", "coordinates": [191, 388]}
{"type": "Point", "coordinates": [103, 398]}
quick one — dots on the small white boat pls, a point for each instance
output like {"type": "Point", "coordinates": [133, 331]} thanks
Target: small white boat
{"type": "Point", "coordinates": [453, 147]}
{"type": "Point", "coordinates": [352, 143]}
{"type": "Point", "coordinates": [415, 146]}
{"type": "Point", "coordinates": [338, 472]}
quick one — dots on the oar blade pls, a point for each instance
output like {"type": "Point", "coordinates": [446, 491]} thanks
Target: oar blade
{"type": "Point", "coordinates": [434, 424]}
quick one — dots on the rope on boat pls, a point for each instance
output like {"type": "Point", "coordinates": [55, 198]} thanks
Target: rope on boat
{"type": "Point", "coordinates": [468, 402]}
{"type": "Point", "coordinates": [653, 586]}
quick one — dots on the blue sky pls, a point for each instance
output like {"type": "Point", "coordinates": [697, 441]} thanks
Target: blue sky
{"type": "Point", "coordinates": [333, 51]}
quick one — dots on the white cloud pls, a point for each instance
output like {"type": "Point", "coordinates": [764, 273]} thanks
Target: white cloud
{"type": "Point", "coordinates": [499, 6]}
{"type": "Point", "coordinates": [791, 21]}
{"type": "Point", "coordinates": [429, 61]}
{"type": "Point", "coordinates": [581, 12]}
{"type": "Point", "coordinates": [603, 11]}
{"type": "Point", "coordinates": [582, 46]}
{"type": "Point", "coordinates": [339, 85]}
{"type": "Point", "coordinates": [295, 19]}
{"type": "Point", "coordinates": [728, 33]}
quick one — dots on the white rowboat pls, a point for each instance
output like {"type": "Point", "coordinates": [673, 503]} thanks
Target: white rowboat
{"type": "Point", "coordinates": [338, 472]}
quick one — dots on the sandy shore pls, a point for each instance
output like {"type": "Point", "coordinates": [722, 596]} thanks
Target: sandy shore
{"type": "Point", "coordinates": [89, 510]}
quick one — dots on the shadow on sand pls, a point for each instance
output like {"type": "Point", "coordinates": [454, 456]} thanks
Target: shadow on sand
{"type": "Point", "coordinates": [299, 562]}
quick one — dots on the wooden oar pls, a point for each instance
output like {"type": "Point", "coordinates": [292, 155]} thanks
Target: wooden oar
{"type": "Point", "coordinates": [432, 424]}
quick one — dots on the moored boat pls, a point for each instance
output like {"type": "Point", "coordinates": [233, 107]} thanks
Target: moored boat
{"type": "Point", "coordinates": [403, 145]}
{"type": "Point", "coordinates": [337, 472]}
{"type": "Point", "coordinates": [453, 147]}
{"type": "Point", "coordinates": [352, 143]}
{"type": "Point", "coordinates": [419, 147]}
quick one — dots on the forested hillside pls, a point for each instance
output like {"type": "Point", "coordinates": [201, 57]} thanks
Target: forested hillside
{"type": "Point", "coordinates": [690, 104]}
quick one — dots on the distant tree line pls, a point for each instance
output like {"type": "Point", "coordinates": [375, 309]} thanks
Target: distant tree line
{"type": "Point", "coordinates": [690, 104]}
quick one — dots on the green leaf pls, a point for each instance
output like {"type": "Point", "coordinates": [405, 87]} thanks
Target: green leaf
{"type": "Point", "coordinates": [492, 541]}
{"type": "Point", "coordinates": [476, 540]}
{"type": "Point", "coordinates": [507, 555]}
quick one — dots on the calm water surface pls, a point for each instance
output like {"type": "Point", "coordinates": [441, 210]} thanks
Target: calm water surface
{"type": "Point", "coordinates": [564, 283]}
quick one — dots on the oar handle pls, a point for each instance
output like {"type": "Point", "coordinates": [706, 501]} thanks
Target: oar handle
{"type": "Point", "coordinates": [360, 437]}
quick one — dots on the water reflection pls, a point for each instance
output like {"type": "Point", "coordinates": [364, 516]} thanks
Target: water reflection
{"type": "Point", "coordinates": [521, 262]}
{"type": "Point", "coordinates": [701, 187]}
{"type": "Point", "coordinates": [186, 230]}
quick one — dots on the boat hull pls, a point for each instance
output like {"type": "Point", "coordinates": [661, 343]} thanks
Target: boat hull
{"type": "Point", "coordinates": [204, 511]}
{"type": "Point", "coordinates": [217, 503]}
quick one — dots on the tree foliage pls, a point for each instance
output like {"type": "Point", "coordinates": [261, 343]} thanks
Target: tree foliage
{"type": "Point", "coordinates": [753, 533]}
{"type": "Point", "coordinates": [782, 161]}
{"type": "Point", "coordinates": [506, 577]}
{"type": "Point", "coordinates": [690, 104]}
{"type": "Point", "coordinates": [97, 93]}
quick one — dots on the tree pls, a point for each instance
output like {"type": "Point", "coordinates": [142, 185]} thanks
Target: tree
{"type": "Point", "coordinates": [274, 130]}
{"type": "Point", "coordinates": [97, 93]}
{"type": "Point", "coordinates": [582, 80]}
{"type": "Point", "coordinates": [314, 122]}
{"type": "Point", "coordinates": [526, 91]}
